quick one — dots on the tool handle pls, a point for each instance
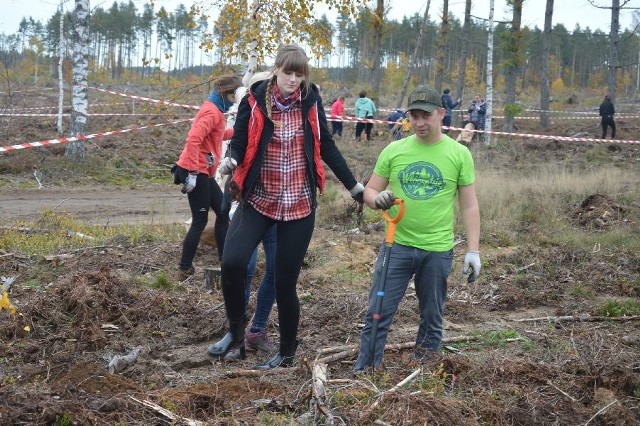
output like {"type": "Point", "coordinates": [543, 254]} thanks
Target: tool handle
{"type": "Point", "coordinates": [393, 221]}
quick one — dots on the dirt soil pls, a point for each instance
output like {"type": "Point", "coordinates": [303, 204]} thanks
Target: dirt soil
{"type": "Point", "coordinates": [522, 346]}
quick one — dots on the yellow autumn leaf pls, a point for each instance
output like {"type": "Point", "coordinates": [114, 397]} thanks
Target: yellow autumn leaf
{"type": "Point", "coordinates": [27, 328]}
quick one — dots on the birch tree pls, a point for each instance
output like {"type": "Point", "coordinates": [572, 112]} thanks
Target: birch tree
{"type": "Point", "coordinates": [489, 117]}
{"type": "Point", "coordinates": [79, 100]}
{"type": "Point", "coordinates": [256, 30]}
{"type": "Point", "coordinates": [60, 73]}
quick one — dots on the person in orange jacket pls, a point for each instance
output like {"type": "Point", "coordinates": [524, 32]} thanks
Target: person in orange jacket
{"type": "Point", "coordinates": [197, 165]}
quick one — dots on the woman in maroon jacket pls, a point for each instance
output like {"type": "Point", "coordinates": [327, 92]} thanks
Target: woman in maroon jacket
{"type": "Point", "coordinates": [280, 141]}
{"type": "Point", "coordinates": [197, 165]}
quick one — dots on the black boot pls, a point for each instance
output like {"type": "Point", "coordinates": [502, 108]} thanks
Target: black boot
{"type": "Point", "coordinates": [233, 339]}
{"type": "Point", "coordinates": [284, 358]}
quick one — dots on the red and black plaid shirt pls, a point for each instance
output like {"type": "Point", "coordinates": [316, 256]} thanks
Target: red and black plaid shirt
{"type": "Point", "coordinates": [283, 191]}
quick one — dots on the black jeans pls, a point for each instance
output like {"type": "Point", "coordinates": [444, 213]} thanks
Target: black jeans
{"type": "Point", "coordinates": [446, 121]}
{"type": "Point", "coordinates": [207, 194]}
{"type": "Point", "coordinates": [367, 127]}
{"type": "Point", "coordinates": [607, 121]}
{"type": "Point", "coordinates": [245, 232]}
{"type": "Point", "coordinates": [336, 128]}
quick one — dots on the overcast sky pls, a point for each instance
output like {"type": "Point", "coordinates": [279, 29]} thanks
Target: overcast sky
{"type": "Point", "coordinates": [567, 12]}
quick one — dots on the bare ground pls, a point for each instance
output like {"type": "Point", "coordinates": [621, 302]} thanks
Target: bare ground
{"type": "Point", "coordinates": [533, 354]}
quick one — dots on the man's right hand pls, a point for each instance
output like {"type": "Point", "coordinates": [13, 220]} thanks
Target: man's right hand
{"type": "Point", "coordinates": [384, 200]}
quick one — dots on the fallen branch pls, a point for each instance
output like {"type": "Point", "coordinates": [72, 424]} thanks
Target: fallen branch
{"type": "Point", "coordinates": [340, 355]}
{"type": "Point", "coordinates": [585, 318]}
{"type": "Point", "coordinates": [350, 350]}
{"type": "Point", "coordinates": [319, 378]}
{"type": "Point", "coordinates": [261, 373]}
{"type": "Point", "coordinates": [168, 414]}
{"type": "Point", "coordinates": [561, 391]}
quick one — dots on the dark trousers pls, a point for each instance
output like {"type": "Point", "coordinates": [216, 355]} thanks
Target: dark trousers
{"type": "Point", "coordinates": [336, 128]}
{"type": "Point", "coordinates": [292, 241]}
{"type": "Point", "coordinates": [446, 121]}
{"type": "Point", "coordinates": [607, 121]}
{"type": "Point", "coordinates": [367, 127]}
{"type": "Point", "coordinates": [207, 194]}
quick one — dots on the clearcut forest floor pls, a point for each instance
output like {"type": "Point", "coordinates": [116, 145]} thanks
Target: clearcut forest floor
{"type": "Point", "coordinates": [523, 346]}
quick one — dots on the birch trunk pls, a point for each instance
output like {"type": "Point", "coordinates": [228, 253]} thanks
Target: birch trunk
{"type": "Point", "coordinates": [489, 100]}
{"type": "Point", "coordinates": [60, 71]}
{"type": "Point", "coordinates": [79, 99]}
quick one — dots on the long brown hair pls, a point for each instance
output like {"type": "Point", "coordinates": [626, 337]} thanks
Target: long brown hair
{"type": "Point", "coordinates": [290, 58]}
{"type": "Point", "coordinates": [227, 84]}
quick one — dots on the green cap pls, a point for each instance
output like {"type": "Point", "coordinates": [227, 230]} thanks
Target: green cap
{"type": "Point", "coordinates": [424, 98]}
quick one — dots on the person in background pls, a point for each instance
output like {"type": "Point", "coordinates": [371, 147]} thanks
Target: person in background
{"type": "Point", "coordinates": [281, 139]}
{"type": "Point", "coordinates": [477, 114]}
{"type": "Point", "coordinates": [449, 105]}
{"type": "Point", "coordinates": [395, 123]}
{"type": "Point", "coordinates": [337, 111]}
{"type": "Point", "coordinates": [364, 109]}
{"type": "Point", "coordinates": [429, 171]}
{"type": "Point", "coordinates": [606, 112]}
{"type": "Point", "coordinates": [256, 337]}
{"type": "Point", "coordinates": [196, 167]}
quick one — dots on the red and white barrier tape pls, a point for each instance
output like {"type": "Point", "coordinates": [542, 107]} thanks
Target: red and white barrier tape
{"type": "Point", "coordinates": [66, 114]}
{"type": "Point", "coordinates": [549, 137]}
{"type": "Point", "coordinates": [155, 101]}
{"type": "Point", "coordinates": [83, 137]}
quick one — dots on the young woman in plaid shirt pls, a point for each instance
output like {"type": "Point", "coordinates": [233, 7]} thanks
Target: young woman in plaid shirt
{"type": "Point", "coordinates": [281, 139]}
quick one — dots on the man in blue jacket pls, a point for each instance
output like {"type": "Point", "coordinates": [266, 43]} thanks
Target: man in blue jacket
{"type": "Point", "coordinates": [449, 105]}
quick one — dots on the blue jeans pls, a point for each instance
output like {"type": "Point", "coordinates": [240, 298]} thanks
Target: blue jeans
{"type": "Point", "coordinates": [267, 289]}
{"type": "Point", "coordinates": [430, 271]}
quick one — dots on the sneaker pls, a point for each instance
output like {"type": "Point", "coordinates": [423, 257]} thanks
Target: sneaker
{"type": "Point", "coordinates": [184, 274]}
{"type": "Point", "coordinates": [234, 355]}
{"type": "Point", "coordinates": [258, 341]}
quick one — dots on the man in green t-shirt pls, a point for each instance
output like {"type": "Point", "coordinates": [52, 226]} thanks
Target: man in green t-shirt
{"type": "Point", "coordinates": [428, 170]}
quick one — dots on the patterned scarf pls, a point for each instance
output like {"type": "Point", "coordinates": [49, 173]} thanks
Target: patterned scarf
{"type": "Point", "coordinates": [285, 104]}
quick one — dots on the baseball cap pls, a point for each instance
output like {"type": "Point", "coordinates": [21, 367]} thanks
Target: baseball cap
{"type": "Point", "coordinates": [424, 98]}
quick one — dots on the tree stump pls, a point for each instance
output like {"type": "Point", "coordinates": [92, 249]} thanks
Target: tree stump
{"type": "Point", "coordinates": [212, 277]}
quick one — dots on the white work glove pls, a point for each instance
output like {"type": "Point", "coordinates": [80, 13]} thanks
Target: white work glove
{"type": "Point", "coordinates": [471, 260]}
{"type": "Point", "coordinates": [384, 200]}
{"type": "Point", "coordinates": [357, 192]}
{"type": "Point", "coordinates": [227, 165]}
{"type": "Point", "coordinates": [190, 182]}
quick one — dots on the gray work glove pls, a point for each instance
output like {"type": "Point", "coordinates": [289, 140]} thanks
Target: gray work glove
{"type": "Point", "coordinates": [357, 192]}
{"type": "Point", "coordinates": [384, 200]}
{"type": "Point", "coordinates": [472, 261]}
{"type": "Point", "coordinates": [190, 182]}
{"type": "Point", "coordinates": [227, 165]}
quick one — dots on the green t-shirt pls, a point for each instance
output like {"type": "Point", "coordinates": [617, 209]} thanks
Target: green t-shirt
{"type": "Point", "coordinates": [426, 177]}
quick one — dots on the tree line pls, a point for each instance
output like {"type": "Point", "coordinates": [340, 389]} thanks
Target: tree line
{"type": "Point", "coordinates": [126, 43]}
